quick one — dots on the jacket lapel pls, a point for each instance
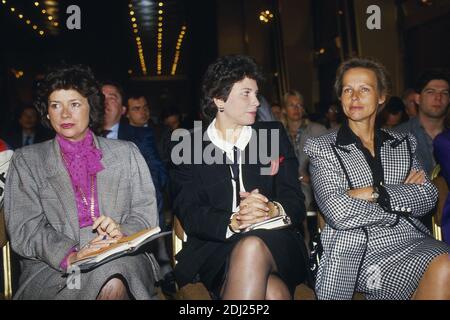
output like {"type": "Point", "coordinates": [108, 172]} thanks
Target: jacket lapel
{"type": "Point", "coordinates": [354, 164]}
{"type": "Point", "coordinates": [107, 179]}
{"type": "Point", "coordinates": [59, 179]}
{"type": "Point", "coordinates": [395, 153]}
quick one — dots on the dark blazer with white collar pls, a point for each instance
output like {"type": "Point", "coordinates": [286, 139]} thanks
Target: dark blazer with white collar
{"type": "Point", "coordinates": [203, 196]}
{"type": "Point", "coordinates": [338, 165]}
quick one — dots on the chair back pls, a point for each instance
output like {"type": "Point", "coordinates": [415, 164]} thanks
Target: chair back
{"type": "Point", "coordinates": [3, 237]}
{"type": "Point", "coordinates": [178, 237]}
{"type": "Point", "coordinates": [6, 254]}
{"type": "Point", "coordinates": [442, 188]}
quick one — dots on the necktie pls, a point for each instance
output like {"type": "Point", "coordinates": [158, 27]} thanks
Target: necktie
{"type": "Point", "coordinates": [235, 171]}
{"type": "Point", "coordinates": [27, 141]}
{"type": "Point", "coordinates": [105, 133]}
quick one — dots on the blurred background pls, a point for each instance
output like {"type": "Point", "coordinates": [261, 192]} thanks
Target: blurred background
{"type": "Point", "coordinates": [163, 47]}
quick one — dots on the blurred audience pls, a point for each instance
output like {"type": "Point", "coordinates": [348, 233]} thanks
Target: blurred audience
{"type": "Point", "coordinates": [332, 116]}
{"type": "Point", "coordinates": [299, 129]}
{"type": "Point", "coordinates": [392, 114]}
{"type": "Point", "coordinates": [409, 101]}
{"type": "Point", "coordinates": [276, 110]}
{"type": "Point", "coordinates": [432, 97]}
{"type": "Point", "coordinates": [138, 112]}
{"type": "Point", "coordinates": [264, 112]}
{"type": "Point", "coordinates": [115, 127]}
{"type": "Point", "coordinates": [28, 130]}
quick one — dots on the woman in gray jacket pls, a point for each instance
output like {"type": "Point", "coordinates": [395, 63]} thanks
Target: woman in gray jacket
{"type": "Point", "coordinates": [75, 194]}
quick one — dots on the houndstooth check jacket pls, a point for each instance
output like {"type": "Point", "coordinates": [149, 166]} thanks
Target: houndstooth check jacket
{"type": "Point", "coordinates": [356, 229]}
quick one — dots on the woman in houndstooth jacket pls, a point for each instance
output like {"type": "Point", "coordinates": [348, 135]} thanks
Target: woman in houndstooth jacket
{"type": "Point", "coordinates": [371, 189]}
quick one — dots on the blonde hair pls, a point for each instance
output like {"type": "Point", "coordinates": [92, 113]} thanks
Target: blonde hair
{"type": "Point", "coordinates": [290, 93]}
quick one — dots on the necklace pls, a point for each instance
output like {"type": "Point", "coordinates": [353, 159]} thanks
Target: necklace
{"type": "Point", "coordinates": [90, 206]}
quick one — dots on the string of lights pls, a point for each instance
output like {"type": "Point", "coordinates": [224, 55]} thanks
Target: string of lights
{"type": "Point", "coordinates": [23, 18]}
{"type": "Point", "coordinates": [138, 40]}
{"type": "Point", "coordinates": [265, 16]}
{"type": "Point", "coordinates": [159, 38]}
{"type": "Point", "coordinates": [176, 58]}
{"type": "Point", "coordinates": [46, 13]}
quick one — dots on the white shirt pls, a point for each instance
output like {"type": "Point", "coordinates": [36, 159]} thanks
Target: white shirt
{"type": "Point", "coordinates": [225, 146]}
{"type": "Point", "coordinates": [114, 134]}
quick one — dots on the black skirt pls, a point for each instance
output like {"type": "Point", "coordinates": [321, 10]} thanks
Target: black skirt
{"type": "Point", "coordinates": [286, 246]}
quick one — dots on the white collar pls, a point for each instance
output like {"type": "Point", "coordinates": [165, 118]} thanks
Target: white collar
{"type": "Point", "coordinates": [115, 128]}
{"type": "Point", "coordinates": [241, 143]}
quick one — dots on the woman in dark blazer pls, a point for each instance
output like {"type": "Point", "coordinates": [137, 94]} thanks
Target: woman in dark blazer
{"type": "Point", "coordinates": [372, 190]}
{"type": "Point", "coordinates": [68, 197]}
{"type": "Point", "coordinates": [224, 185]}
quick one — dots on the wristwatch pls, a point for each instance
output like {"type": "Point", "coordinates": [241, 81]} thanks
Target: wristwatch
{"type": "Point", "coordinates": [375, 194]}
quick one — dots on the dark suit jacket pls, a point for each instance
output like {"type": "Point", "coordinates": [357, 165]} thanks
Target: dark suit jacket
{"type": "Point", "coordinates": [203, 196]}
{"type": "Point", "coordinates": [145, 141]}
{"type": "Point", "coordinates": [14, 137]}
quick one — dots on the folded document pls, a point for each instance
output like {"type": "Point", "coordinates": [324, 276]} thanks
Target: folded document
{"type": "Point", "coordinates": [124, 246]}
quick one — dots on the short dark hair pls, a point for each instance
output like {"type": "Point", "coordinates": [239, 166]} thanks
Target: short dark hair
{"type": "Point", "coordinates": [117, 85]}
{"type": "Point", "coordinates": [394, 106]}
{"type": "Point", "coordinates": [25, 108]}
{"type": "Point", "coordinates": [75, 77]}
{"type": "Point", "coordinates": [429, 75]}
{"type": "Point", "coordinates": [135, 95]}
{"type": "Point", "coordinates": [383, 79]}
{"type": "Point", "coordinates": [220, 77]}
{"type": "Point", "coordinates": [171, 110]}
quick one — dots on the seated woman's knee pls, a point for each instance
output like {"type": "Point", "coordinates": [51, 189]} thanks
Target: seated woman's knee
{"type": "Point", "coordinates": [251, 246]}
{"type": "Point", "coordinates": [440, 267]}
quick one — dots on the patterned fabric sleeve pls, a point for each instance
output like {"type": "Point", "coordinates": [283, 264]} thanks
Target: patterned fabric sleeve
{"type": "Point", "coordinates": [30, 232]}
{"type": "Point", "coordinates": [330, 187]}
{"type": "Point", "coordinates": [143, 211]}
{"type": "Point", "coordinates": [411, 199]}
{"type": "Point", "coordinates": [5, 157]}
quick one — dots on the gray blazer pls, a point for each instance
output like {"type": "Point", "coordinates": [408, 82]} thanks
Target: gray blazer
{"type": "Point", "coordinates": [42, 219]}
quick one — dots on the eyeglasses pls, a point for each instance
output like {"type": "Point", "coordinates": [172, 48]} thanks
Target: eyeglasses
{"type": "Point", "coordinates": [334, 110]}
{"type": "Point", "coordinates": [297, 105]}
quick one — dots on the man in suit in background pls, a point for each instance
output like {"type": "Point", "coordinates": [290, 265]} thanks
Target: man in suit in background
{"type": "Point", "coordinates": [118, 128]}
{"type": "Point", "coordinates": [28, 131]}
{"type": "Point", "coordinates": [138, 110]}
{"type": "Point", "coordinates": [432, 98]}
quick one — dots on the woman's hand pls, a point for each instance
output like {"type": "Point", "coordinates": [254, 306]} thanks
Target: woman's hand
{"type": "Point", "coordinates": [415, 177]}
{"type": "Point", "coordinates": [107, 226]}
{"type": "Point", "coordinates": [254, 208]}
{"type": "Point", "coordinates": [100, 242]}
